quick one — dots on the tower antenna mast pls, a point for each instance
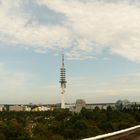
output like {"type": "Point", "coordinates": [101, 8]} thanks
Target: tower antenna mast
{"type": "Point", "coordinates": [63, 81]}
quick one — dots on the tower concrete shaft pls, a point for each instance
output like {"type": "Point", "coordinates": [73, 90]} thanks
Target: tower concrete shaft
{"type": "Point", "coordinates": [63, 82]}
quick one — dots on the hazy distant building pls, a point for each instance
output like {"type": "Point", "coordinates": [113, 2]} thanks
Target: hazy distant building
{"type": "Point", "coordinates": [2, 107]}
{"type": "Point", "coordinates": [93, 106]}
{"type": "Point", "coordinates": [80, 103]}
{"type": "Point", "coordinates": [16, 108]}
{"type": "Point", "coordinates": [26, 108]}
{"type": "Point", "coordinates": [69, 105]}
{"type": "Point", "coordinates": [100, 106]}
{"type": "Point", "coordinates": [40, 108]}
{"type": "Point", "coordinates": [120, 104]}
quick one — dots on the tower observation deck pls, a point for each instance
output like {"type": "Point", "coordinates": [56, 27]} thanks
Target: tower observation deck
{"type": "Point", "coordinates": [63, 82]}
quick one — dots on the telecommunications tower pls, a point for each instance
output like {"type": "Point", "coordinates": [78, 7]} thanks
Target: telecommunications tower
{"type": "Point", "coordinates": [62, 82]}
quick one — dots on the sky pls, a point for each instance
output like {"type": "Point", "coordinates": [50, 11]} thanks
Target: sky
{"type": "Point", "coordinates": [101, 41]}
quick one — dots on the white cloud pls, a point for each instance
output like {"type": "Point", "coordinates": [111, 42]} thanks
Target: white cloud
{"type": "Point", "coordinates": [14, 28]}
{"type": "Point", "coordinates": [89, 27]}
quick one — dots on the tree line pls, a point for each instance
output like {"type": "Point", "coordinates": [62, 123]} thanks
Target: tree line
{"type": "Point", "coordinates": [64, 125]}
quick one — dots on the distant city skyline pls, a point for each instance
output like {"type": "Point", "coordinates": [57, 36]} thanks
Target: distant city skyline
{"type": "Point", "coordinates": [101, 40]}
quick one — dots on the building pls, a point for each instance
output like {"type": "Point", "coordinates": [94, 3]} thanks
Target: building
{"type": "Point", "coordinates": [16, 108]}
{"type": "Point", "coordinates": [2, 108]}
{"type": "Point", "coordinates": [100, 106]}
{"type": "Point", "coordinates": [26, 108]}
{"type": "Point", "coordinates": [19, 108]}
{"type": "Point", "coordinates": [80, 103]}
{"type": "Point", "coordinates": [62, 82]}
{"type": "Point", "coordinates": [40, 108]}
{"type": "Point", "coordinates": [121, 104]}
{"type": "Point", "coordinates": [69, 105]}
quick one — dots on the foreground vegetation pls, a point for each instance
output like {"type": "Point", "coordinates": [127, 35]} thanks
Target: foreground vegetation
{"type": "Point", "coordinates": [63, 125]}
